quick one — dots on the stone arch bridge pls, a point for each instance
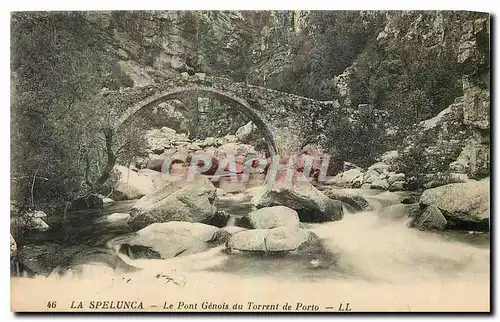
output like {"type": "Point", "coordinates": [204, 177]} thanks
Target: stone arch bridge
{"type": "Point", "coordinates": [281, 117]}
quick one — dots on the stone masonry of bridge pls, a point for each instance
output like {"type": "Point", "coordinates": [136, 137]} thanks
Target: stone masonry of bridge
{"type": "Point", "coordinates": [280, 117]}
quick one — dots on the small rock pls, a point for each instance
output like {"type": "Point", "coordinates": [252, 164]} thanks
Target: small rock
{"type": "Point", "coordinates": [218, 219]}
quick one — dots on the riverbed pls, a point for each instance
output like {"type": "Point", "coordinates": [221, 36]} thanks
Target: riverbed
{"type": "Point", "coordinates": [374, 263]}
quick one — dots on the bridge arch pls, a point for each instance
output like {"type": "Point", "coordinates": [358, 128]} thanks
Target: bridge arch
{"type": "Point", "coordinates": [178, 93]}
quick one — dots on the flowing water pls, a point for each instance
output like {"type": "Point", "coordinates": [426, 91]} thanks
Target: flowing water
{"type": "Point", "coordinates": [372, 261]}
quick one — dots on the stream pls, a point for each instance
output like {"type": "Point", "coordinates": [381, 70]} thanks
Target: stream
{"type": "Point", "coordinates": [367, 250]}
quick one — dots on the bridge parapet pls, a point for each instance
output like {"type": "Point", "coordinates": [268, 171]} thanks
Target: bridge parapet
{"type": "Point", "coordinates": [280, 116]}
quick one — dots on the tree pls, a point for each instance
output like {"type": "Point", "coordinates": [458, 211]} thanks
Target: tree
{"type": "Point", "coordinates": [63, 143]}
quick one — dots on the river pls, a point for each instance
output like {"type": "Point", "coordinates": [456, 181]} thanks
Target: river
{"type": "Point", "coordinates": [374, 262]}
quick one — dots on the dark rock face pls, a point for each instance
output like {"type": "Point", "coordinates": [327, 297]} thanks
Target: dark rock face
{"type": "Point", "coordinates": [280, 239]}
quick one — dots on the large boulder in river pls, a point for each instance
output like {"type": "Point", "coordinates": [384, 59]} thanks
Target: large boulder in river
{"type": "Point", "coordinates": [193, 203]}
{"type": "Point", "coordinates": [171, 239]}
{"type": "Point", "coordinates": [465, 205]}
{"type": "Point", "coordinates": [311, 204]}
{"type": "Point", "coordinates": [280, 239]}
{"type": "Point", "coordinates": [269, 217]}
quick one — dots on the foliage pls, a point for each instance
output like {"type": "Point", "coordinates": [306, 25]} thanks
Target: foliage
{"type": "Point", "coordinates": [60, 138]}
{"type": "Point", "coordinates": [330, 43]}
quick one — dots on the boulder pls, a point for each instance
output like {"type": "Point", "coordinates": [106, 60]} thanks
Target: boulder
{"type": "Point", "coordinates": [370, 176]}
{"type": "Point", "coordinates": [171, 239]}
{"type": "Point", "coordinates": [131, 185]}
{"type": "Point", "coordinates": [474, 159]}
{"type": "Point", "coordinates": [193, 203]}
{"type": "Point", "coordinates": [311, 204]}
{"type": "Point", "coordinates": [432, 180]}
{"type": "Point", "coordinates": [384, 175]}
{"type": "Point", "coordinates": [280, 239]}
{"type": "Point", "coordinates": [397, 186]}
{"type": "Point", "coordinates": [351, 178]}
{"type": "Point", "coordinates": [269, 217]}
{"type": "Point", "coordinates": [49, 258]}
{"type": "Point", "coordinates": [218, 219]}
{"type": "Point", "coordinates": [380, 184]}
{"type": "Point", "coordinates": [348, 196]}
{"type": "Point", "coordinates": [430, 218]}
{"type": "Point", "coordinates": [395, 177]}
{"type": "Point", "coordinates": [465, 205]}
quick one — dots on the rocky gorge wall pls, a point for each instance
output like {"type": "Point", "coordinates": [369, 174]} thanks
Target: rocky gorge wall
{"type": "Point", "coordinates": [453, 143]}
{"type": "Point", "coordinates": [151, 46]}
